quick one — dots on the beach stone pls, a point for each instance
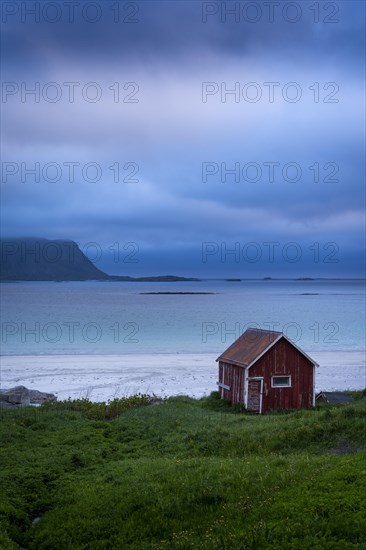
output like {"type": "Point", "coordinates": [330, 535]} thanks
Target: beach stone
{"type": "Point", "coordinates": [39, 397]}
{"type": "Point", "coordinates": [20, 396]}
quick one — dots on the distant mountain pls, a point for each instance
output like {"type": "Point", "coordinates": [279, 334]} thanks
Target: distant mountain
{"type": "Point", "coordinates": [32, 259]}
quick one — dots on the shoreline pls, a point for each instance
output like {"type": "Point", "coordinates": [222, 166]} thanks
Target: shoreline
{"type": "Point", "coordinates": [103, 377]}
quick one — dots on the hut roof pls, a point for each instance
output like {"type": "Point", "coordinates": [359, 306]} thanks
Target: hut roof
{"type": "Point", "coordinates": [335, 397]}
{"type": "Point", "coordinates": [251, 345]}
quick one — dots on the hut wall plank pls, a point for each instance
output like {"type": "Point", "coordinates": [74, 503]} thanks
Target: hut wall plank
{"type": "Point", "coordinates": [284, 359]}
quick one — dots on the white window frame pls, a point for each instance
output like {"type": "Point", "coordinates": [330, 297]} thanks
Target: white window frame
{"type": "Point", "coordinates": [289, 385]}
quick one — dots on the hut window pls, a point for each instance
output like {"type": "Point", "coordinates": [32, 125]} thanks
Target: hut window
{"type": "Point", "coordinates": [281, 381]}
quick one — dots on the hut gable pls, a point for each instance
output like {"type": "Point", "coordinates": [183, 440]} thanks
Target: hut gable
{"type": "Point", "coordinates": [249, 347]}
{"type": "Point", "coordinates": [263, 370]}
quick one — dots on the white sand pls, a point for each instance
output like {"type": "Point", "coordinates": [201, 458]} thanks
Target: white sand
{"type": "Point", "coordinates": [102, 377]}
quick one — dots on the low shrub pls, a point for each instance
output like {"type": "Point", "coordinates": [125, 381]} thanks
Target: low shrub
{"type": "Point", "coordinates": [103, 410]}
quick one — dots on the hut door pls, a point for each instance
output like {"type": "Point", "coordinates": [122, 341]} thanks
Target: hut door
{"type": "Point", "coordinates": [255, 391]}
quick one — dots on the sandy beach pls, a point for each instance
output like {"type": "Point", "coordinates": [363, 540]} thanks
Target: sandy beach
{"type": "Point", "coordinates": [103, 377]}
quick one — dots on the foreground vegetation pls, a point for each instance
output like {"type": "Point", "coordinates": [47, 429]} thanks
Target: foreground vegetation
{"type": "Point", "coordinates": [182, 473]}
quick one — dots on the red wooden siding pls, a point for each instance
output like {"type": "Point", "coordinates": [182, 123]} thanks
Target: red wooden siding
{"type": "Point", "coordinates": [284, 359]}
{"type": "Point", "coordinates": [232, 376]}
{"type": "Point", "coordinates": [281, 359]}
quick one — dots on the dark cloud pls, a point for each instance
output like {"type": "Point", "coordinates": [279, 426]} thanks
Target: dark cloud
{"type": "Point", "coordinates": [170, 132]}
{"type": "Point", "coordinates": [184, 29]}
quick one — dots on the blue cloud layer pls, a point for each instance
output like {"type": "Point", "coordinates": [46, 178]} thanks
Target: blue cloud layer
{"type": "Point", "coordinates": [178, 147]}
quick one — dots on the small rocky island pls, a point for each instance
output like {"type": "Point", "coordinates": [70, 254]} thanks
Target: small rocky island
{"type": "Point", "coordinates": [178, 292]}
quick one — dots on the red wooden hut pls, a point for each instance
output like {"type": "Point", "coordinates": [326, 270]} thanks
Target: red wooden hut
{"type": "Point", "coordinates": [263, 370]}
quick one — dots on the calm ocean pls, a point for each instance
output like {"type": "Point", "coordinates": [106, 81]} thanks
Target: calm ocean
{"type": "Point", "coordinates": [115, 318]}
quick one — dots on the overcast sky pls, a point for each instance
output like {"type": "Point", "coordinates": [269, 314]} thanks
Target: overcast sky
{"type": "Point", "coordinates": [188, 131]}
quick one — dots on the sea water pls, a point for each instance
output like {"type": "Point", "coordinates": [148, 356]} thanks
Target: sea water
{"type": "Point", "coordinates": [46, 318]}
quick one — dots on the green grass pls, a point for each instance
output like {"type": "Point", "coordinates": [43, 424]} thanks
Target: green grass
{"type": "Point", "coordinates": [182, 474]}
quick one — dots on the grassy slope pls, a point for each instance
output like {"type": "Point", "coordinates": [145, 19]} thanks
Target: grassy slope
{"type": "Point", "coordinates": [183, 474]}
